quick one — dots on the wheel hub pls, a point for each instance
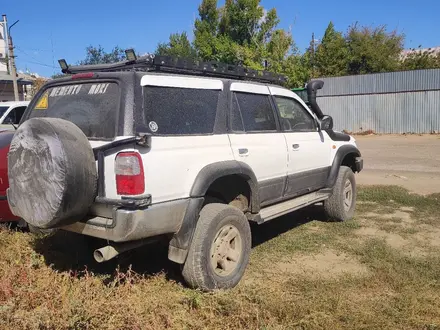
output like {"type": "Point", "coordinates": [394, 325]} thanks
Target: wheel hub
{"type": "Point", "coordinates": [226, 250]}
{"type": "Point", "coordinates": [348, 195]}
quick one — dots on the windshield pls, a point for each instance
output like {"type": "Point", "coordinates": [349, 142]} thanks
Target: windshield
{"type": "Point", "coordinates": [92, 107]}
{"type": "Point", "coordinates": [3, 110]}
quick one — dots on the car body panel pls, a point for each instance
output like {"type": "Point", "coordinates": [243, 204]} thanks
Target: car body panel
{"type": "Point", "coordinates": [5, 212]}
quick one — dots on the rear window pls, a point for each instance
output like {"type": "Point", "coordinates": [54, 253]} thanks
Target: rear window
{"type": "Point", "coordinates": [180, 111]}
{"type": "Point", "coordinates": [93, 107]}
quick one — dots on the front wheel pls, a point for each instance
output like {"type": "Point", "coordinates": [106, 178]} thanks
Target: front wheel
{"type": "Point", "coordinates": [341, 204]}
{"type": "Point", "coordinates": [220, 248]}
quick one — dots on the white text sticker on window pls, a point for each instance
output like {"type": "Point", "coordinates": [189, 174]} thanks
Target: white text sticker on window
{"type": "Point", "coordinates": [65, 90]}
{"type": "Point", "coordinates": [98, 88]}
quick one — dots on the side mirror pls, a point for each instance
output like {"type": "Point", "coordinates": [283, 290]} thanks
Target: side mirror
{"type": "Point", "coordinates": [326, 123]}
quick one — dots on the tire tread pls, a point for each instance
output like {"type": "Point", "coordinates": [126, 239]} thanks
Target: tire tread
{"type": "Point", "coordinates": [334, 206]}
{"type": "Point", "coordinates": [193, 271]}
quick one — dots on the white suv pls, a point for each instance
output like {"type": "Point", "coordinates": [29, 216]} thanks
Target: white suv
{"type": "Point", "coordinates": [159, 147]}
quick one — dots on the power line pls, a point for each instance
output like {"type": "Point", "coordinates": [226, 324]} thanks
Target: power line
{"type": "Point", "coordinates": [38, 50]}
{"type": "Point", "coordinates": [51, 43]}
{"type": "Point", "coordinates": [22, 51]}
{"type": "Point", "coordinates": [42, 64]}
{"type": "Point", "coordinates": [36, 61]}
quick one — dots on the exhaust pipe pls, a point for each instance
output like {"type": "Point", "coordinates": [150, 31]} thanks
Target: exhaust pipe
{"type": "Point", "coordinates": [105, 253]}
{"type": "Point", "coordinates": [108, 252]}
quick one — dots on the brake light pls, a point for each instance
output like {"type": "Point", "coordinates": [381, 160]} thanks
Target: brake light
{"type": "Point", "coordinates": [83, 75]}
{"type": "Point", "coordinates": [129, 172]}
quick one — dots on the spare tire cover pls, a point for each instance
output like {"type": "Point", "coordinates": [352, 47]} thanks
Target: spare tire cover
{"type": "Point", "coordinates": [52, 173]}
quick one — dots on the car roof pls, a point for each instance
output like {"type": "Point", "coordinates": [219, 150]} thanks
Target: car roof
{"type": "Point", "coordinates": [224, 80]}
{"type": "Point", "coordinates": [14, 103]}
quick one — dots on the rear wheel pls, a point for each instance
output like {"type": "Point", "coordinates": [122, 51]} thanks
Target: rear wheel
{"type": "Point", "coordinates": [220, 248]}
{"type": "Point", "coordinates": [341, 204]}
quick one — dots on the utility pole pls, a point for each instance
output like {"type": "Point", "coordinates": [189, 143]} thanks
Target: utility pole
{"type": "Point", "coordinates": [11, 57]}
{"type": "Point", "coordinates": [312, 46]}
{"type": "Point", "coordinates": [13, 69]}
{"type": "Point", "coordinates": [5, 29]}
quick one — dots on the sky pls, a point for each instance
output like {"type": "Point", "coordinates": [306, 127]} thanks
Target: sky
{"type": "Point", "coordinates": [49, 30]}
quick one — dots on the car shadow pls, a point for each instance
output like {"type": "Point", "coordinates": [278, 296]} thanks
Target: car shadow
{"type": "Point", "coordinates": [276, 227]}
{"type": "Point", "coordinates": [70, 252]}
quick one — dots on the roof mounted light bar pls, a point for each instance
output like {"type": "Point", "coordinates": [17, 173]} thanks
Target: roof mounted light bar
{"type": "Point", "coordinates": [178, 65]}
{"type": "Point", "coordinates": [130, 54]}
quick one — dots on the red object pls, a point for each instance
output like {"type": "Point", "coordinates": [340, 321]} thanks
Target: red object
{"type": "Point", "coordinates": [5, 212]}
{"type": "Point", "coordinates": [129, 172]}
{"type": "Point", "coordinates": [83, 75]}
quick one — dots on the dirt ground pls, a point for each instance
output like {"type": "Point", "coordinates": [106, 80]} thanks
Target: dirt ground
{"type": "Point", "coordinates": [411, 161]}
{"type": "Point", "coordinates": [380, 270]}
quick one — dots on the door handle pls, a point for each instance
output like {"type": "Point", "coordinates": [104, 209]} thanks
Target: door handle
{"type": "Point", "coordinates": [295, 147]}
{"type": "Point", "coordinates": [243, 151]}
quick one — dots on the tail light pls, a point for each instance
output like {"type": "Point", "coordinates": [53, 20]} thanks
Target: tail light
{"type": "Point", "coordinates": [129, 172]}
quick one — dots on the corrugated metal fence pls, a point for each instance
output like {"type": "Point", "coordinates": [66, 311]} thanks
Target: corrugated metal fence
{"type": "Point", "coordinates": [396, 102]}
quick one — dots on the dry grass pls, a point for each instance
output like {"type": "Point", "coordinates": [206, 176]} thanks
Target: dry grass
{"type": "Point", "coordinates": [304, 274]}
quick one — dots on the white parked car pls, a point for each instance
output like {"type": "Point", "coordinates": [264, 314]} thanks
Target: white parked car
{"type": "Point", "coordinates": [11, 113]}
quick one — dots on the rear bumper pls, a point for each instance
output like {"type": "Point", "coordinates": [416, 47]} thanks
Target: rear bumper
{"type": "Point", "coordinates": [129, 224]}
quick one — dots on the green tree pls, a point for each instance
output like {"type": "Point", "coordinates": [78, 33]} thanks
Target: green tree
{"type": "Point", "coordinates": [97, 55]}
{"type": "Point", "coordinates": [373, 50]}
{"type": "Point", "coordinates": [206, 30]}
{"type": "Point", "coordinates": [242, 32]}
{"type": "Point", "coordinates": [245, 19]}
{"type": "Point", "coordinates": [331, 57]}
{"type": "Point", "coordinates": [178, 45]}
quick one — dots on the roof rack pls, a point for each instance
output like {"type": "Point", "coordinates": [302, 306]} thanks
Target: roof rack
{"type": "Point", "coordinates": [178, 65]}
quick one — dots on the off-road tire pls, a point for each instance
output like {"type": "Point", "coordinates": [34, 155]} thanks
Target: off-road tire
{"type": "Point", "coordinates": [197, 270]}
{"type": "Point", "coordinates": [52, 173]}
{"type": "Point", "coordinates": [334, 206]}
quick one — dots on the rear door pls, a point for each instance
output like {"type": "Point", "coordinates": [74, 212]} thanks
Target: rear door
{"type": "Point", "coordinates": [256, 139]}
{"type": "Point", "coordinates": [309, 149]}
{"type": "Point", "coordinates": [94, 107]}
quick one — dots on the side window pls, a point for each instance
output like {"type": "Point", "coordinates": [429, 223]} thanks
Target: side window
{"type": "Point", "coordinates": [256, 112]}
{"type": "Point", "coordinates": [294, 117]}
{"type": "Point", "coordinates": [180, 111]}
{"type": "Point", "coordinates": [14, 116]}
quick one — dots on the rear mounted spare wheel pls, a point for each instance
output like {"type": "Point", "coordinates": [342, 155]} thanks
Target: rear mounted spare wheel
{"type": "Point", "coordinates": [52, 173]}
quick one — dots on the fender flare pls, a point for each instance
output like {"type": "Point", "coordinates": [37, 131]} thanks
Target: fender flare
{"type": "Point", "coordinates": [214, 171]}
{"type": "Point", "coordinates": [342, 152]}
{"type": "Point", "coordinates": [179, 244]}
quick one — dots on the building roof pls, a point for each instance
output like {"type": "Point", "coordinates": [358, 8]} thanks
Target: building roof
{"type": "Point", "coordinates": [4, 77]}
